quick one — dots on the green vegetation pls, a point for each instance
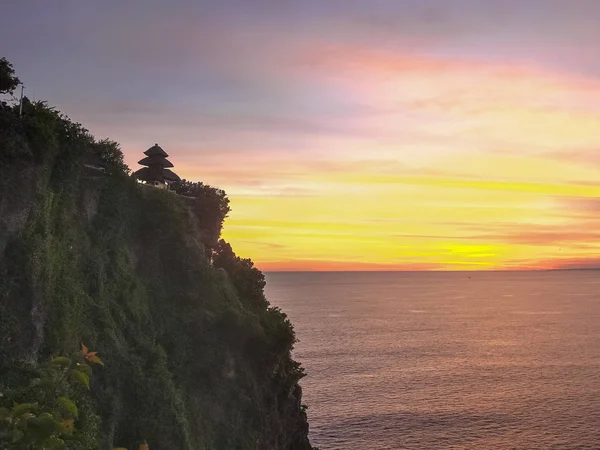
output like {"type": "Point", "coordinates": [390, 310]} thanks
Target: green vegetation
{"type": "Point", "coordinates": [195, 356]}
{"type": "Point", "coordinates": [210, 206]}
{"type": "Point", "coordinates": [43, 415]}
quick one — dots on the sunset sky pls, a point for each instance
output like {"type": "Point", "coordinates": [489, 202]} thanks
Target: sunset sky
{"type": "Point", "coordinates": [349, 135]}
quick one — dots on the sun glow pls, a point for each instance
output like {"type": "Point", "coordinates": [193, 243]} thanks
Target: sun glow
{"type": "Point", "coordinates": [459, 174]}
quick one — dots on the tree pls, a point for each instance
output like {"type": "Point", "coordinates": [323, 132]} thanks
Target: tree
{"type": "Point", "coordinates": [247, 279]}
{"type": "Point", "coordinates": [110, 153]}
{"type": "Point", "coordinates": [210, 205]}
{"type": "Point", "coordinates": [8, 81]}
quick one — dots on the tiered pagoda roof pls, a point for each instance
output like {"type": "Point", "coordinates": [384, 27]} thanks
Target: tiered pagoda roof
{"type": "Point", "coordinates": [157, 165]}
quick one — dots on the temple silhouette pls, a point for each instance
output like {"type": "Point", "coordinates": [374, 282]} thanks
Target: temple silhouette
{"type": "Point", "coordinates": [156, 171]}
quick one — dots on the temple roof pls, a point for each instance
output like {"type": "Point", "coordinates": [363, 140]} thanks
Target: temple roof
{"type": "Point", "coordinates": [155, 160]}
{"type": "Point", "coordinates": [149, 175]}
{"type": "Point", "coordinates": [156, 163]}
{"type": "Point", "coordinates": [155, 150]}
{"type": "Point", "coordinates": [170, 175]}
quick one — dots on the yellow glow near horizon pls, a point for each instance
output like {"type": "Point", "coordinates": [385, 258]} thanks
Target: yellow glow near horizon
{"type": "Point", "coordinates": [468, 167]}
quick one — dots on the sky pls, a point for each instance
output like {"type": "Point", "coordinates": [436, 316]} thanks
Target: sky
{"type": "Point", "coordinates": [348, 135]}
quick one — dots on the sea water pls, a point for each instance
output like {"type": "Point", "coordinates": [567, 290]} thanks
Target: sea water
{"type": "Point", "coordinates": [447, 360]}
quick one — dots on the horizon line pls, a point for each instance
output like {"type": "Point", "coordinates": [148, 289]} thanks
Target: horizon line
{"type": "Point", "coordinates": [436, 271]}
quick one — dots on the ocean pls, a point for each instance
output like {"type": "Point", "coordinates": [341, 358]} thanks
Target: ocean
{"type": "Point", "coordinates": [447, 360]}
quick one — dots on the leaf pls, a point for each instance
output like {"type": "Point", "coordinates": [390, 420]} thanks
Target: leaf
{"type": "Point", "coordinates": [23, 420]}
{"type": "Point", "coordinates": [144, 446]}
{"type": "Point", "coordinates": [84, 368]}
{"type": "Point", "coordinates": [80, 377]}
{"type": "Point", "coordinates": [94, 359]}
{"type": "Point", "coordinates": [84, 349]}
{"type": "Point", "coordinates": [54, 443]}
{"type": "Point", "coordinates": [62, 361]}
{"type": "Point", "coordinates": [42, 427]}
{"type": "Point", "coordinates": [22, 408]}
{"type": "Point", "coordinates": [69, 406]}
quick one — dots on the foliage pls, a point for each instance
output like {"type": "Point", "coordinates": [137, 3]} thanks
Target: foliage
{"type": "Point", "coordinates": [43, 414]}
{"type": "Point", "coordinates": [44, 135]}
{"type": "Point", "coordinates": [110, 153]}
{"type": "Point", "coordinates": [249, 283]}
{"type": "Point", "coordinates": [8, 80]}
{"type": "Point", "coordinates": [247, 279]}
{"type": "Point", "coordinates": [143, 446]}
{"type": "Point", "coordinates": [210, 206]}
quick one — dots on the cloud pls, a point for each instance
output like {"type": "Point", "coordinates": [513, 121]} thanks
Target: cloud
{"type": "Point", "coordinates": [341, 266]}
{"type": "Point", "coordinates": [559, 263]}
{"type": "Point", "coordinates": [589, 206]}
{"type": "Point", "coordinates": [578, 263]}
{"type": "Point", "coordinates": [581, 156]}
{"type": "Point", "coordinates": [555, 33]}
{"type": "Point", "coordinates": [568, 234]}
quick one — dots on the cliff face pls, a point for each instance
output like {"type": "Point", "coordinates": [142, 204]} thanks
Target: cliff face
{"type": "Point", "coordinates": [195, 358]}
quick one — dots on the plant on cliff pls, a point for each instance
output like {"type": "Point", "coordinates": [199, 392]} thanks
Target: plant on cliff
{"type": "Point", "coordinates": [247, 279]}
{"type": "Point", "coordinates": [8, 80]}
{"type": "Point", "coordinates": [279, 337]}
{"type": "Point", "coordinates": [110, 153]}
{"type": "Point", "coordinates": [41, 135]}
{"type": "Point", "coordinates": [210, 206]}
{"type": "Point", "coordinates": [42, 414]}
{"type": "Point", "coordinates": [143, 446]}
{"type": "Point", "coordinates": [44, 135]}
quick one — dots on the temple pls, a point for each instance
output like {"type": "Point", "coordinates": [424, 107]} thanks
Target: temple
{"type": "Point", "coordinates": [156, 172]}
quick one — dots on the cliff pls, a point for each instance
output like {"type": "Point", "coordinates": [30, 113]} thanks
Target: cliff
{"type": "Point", "coordinates": [194, 355]}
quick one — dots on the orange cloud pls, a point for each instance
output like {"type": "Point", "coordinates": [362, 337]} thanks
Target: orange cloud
{"type": "Point", "coordinates": [341, 266]}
